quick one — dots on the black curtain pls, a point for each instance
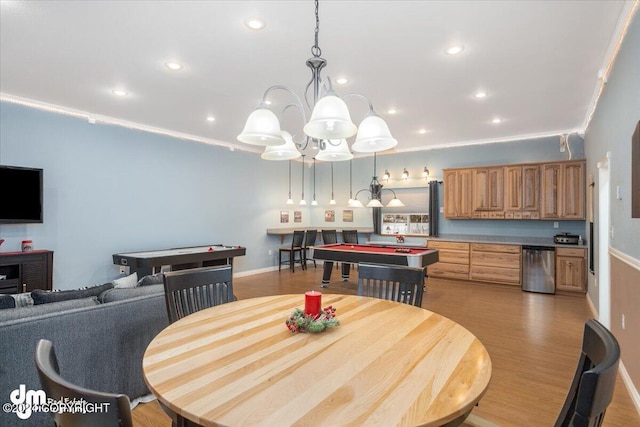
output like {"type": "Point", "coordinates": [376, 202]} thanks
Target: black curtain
{"type": "Point", "coordinates": [434, 208]}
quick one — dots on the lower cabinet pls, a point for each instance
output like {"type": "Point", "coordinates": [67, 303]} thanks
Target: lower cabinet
{"type": "Point", "coordinates": [495, 263]}
{"type": "Point", "coordinates": [571, 264]}
{"type": "Point", "coordinates": [453, 260]}
{"type": "Point", "coordinates": [26, 271]}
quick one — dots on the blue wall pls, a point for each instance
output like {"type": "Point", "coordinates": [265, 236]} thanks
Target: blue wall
{"type": "Point", "coordinates": [111, 189]}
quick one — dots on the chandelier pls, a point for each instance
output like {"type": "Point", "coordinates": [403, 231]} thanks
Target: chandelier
{"type": "Point", "coordinates": [329, 126]}
{"type": "Point", "coordinates": [375, 190]}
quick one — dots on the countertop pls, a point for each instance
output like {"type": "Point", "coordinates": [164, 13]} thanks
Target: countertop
{"type": "Point", "coordinates": [507, 240]}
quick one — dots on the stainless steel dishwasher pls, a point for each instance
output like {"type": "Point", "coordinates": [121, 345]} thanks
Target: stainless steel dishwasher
{"type": "Point", "coordinates": [538, 269]}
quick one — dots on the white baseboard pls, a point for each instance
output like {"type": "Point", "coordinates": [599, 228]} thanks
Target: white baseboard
{"type": "Point", "coordinates": [631, 388]}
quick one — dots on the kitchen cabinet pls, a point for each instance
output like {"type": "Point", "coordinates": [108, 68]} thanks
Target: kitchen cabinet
{"type": "Point", "coordinates": [563, 190]}
{"type": "Point", "coordinates": [457, 193]}
{"type": "Point", "coordinates": [571, 269]}
{"type": "Point", "coordinates": [531, 190]}
{"type": "Point", "coordinates": [522, 192]}
{"type": "Point", "coordinates": [513, 191]}
{"type": "Point", "coordinates": [26, 271]}
{"type": "Point", "coordinates": [497, 263]}
{"type": "Point", "coordinates": [487, 189]}
{"type": "Point", "coordinates": [453, 260]}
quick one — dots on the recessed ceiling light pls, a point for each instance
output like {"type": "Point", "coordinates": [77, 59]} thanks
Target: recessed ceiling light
{"type": "Point", "coordinates": [392, 111]}
{"type": "Point", "coordinates": [480, 94]}
{"type": "Point", "coordinates": [454, 50]}
{"type": "Point", "coordinates": [255, 23]}
{"type": "Point", "coordinates": [423, 131]}
{"type": "Point", "coordinates": [496, 120]}
{"type": "Point", "coordinates": [173, 66]}
{"type": "Point", "coordinates": [119, 92]}
{"type": "Point", "coordinates": [211, 119]}
{"type": "Point", "coordinates": [267, 102]}
{"type": "Point", "coordinates": [342, 80]}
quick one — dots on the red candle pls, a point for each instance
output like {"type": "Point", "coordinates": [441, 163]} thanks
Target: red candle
{"type": "Point", "coordinates": [312, 301]}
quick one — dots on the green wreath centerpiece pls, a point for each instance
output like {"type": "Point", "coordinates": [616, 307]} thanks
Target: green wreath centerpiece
{"type": "Point", "coordinates": [301, 322]}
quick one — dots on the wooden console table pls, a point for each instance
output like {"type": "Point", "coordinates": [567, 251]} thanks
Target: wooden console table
{"type": "Point", "coordinates": [26, 271]}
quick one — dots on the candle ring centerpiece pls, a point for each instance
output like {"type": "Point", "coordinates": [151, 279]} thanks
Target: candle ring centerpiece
{"type": "Point", "coordinates": [299, 321]}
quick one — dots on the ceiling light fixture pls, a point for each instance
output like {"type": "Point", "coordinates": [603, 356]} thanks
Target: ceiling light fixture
{"type": "Point", "coordinates": [333, 200]}
{"type": "Point", "coordinates": [119, 92]}
{"type": "Point", "coordinates": [480, 95]}
{"type": "Point", "coordinates": [422, 131]}
{"type": "Point", "coordinates": [496, 120]}
{"type": "Point", "coordinates": [425, 173]}
{"type": "Point", "coordinates": [302, 200]}
{"type": "Point", "coordinates": [386, 175]}
{"type": "Point", "coordinates": [255, 23]}
{"type": "Point", "coordinates": [289, 200]}
{"type": "Point", "coordinates": [405, 174]}
{"type": "Point", "coordinates": [211, 119]}
{"type": "Point", "coordinates": [173, 66]}
{"type": "Point", "coordinates": [375, 190]}
{"type": "Point", "coordinates": [342, 81]}
{"type": "Point", "coordinates": [330, 123]}
{"type": "Point", "coordinates": [314, 202]}
{"type": "Point", "coordinates": [454, 50]}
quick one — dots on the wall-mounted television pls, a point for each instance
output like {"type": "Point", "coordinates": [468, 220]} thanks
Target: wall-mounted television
{"type": "Point", "coordinates": [20, 195]}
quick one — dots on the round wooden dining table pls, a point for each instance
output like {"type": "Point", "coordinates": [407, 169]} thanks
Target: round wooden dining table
{"type": "Point", "coordinates": [386, 364]}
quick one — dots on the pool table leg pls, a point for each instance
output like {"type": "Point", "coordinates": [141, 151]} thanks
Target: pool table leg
{"type": "Point", "coordinates": [326, 273]}
{"type": "Point", "coordinates": [345, 271]}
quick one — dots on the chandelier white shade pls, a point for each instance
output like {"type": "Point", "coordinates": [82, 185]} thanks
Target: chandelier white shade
{"type": "Point", "coordinates": [334, 151]}
{"type": "Point", "coordinates": [330, 119]}
{"type": "Point", "coordinates": [262, 128]}
{"type": "Point", "coordinates": [373, 135]}
{"type": "Point", "coordinates": [286, 151]}
{"type": "Point", "coordinates": [374, 203]}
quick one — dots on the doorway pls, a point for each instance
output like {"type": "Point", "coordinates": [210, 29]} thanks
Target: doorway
{"type": "Point", "coordinates": [604, 225]}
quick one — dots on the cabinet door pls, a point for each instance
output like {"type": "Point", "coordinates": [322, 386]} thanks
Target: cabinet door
{"type": "Point", "coordinates": [573, 190]}
{"type": "Point", "coordinates": [513, 191]}
{"type": "Point", "coordinates": [450, 182]}
{"type": "Point", "coordinates": [495, 189]}
{"type": "Point", "coordinates": [464, 193]}
{"type": "Point", "coordinates": [551, 190]}
{"type": "Point", "coordinates": [531, 188]}
{"type": "Point", "coordinates": [480, 194]}
{"type": "Point", "coordinates": [570, 274]}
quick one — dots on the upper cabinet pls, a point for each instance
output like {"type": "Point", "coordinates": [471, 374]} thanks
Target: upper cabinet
{"type": "Point", "coordinates": [457, 193]}
{"type": "Point", "coordinates": [563, 190]}
{"type": "Point", "coordinates": [521, 191]}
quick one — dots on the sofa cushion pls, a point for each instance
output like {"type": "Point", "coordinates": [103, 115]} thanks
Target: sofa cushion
{"type": "Point", "coordinates": [130, 281]}
{"type": "Point", "coordinates": [117, 294]}
{"type": "Point", "coordinates": [23, 300]}
{"type": "Point", "coordinates": [7, 301]}
{"type": "Point", "coordinates": [36, 310]}
{"type": "Point", "coordinates": [46, 297]}
{"type": "Point", "coordinates": [151, 279]}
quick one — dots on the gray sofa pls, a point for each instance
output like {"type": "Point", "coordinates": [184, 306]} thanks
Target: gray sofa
{"type": "Point", "coordinates": [99, 341]}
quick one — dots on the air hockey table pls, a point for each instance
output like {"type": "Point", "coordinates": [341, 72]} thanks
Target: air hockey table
{"type": "Point", "coordinates": [418, 257]}
{"type": "Point", "coordinates": [145, 263]}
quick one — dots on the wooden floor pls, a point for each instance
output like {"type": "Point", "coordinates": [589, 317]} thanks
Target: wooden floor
{"type": "Point", "coordinates": [533, 339]}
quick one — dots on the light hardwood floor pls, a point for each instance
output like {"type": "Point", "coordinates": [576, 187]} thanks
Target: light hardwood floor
{"type": "Point", "coordinates": [533, 339]}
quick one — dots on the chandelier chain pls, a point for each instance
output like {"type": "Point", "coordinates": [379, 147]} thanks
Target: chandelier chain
{"type": "Point", "coordinates": [315, 49]}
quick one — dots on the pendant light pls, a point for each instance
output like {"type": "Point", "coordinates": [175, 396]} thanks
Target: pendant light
{"type": "Point", "coordinates": [314, 202]}
{"type": "Point", "coordinates": [289, 200]}
{"type": "Point", "coordinates": [332, 201]}
{"type": "Point", "coordinates": [350, 201]}
{"type": "Point", "coordinates": [375, 189]}
{"type": "Point", "coordinates": [286, 151]}
{"type": "Point", "coordinates": [302, 200]}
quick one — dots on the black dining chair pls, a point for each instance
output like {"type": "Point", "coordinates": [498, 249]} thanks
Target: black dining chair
{"type": "Point", "coordinates": [594, 381]}
{"type": "Point", "coordinates": [189, 291]}
{"type": "Point", "coordinates": [310, 237]}
{"type": "Point", "coordinates": [116, 408]}
{"type": "Point", "coordinates": [391, 282]}
{"type": "Point", "coordinates": [296, 248]}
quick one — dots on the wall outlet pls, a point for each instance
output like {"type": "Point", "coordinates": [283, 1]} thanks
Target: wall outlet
{"type": "Point", "coordinates": [618, 192]}
{"type": "Point", "coordinates": [270, 251]}
{"type": "Point", "coordinates": [123, 269]}
{"type": "Point", "coordinates": [611, 232]}
{"type": "Point", "coordinates": [622, 322]}
{"type": "Point", "coordinates": [441, 209]}
{"type": "Point", "coordinates": [556, 224]}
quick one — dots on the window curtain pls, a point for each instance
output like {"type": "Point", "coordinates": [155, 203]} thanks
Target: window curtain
{"type": "Point", "coordinates": [434, 208]}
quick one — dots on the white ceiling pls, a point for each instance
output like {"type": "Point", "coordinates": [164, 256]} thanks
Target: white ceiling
{"type": "Point", "coordinates": [538, 61]}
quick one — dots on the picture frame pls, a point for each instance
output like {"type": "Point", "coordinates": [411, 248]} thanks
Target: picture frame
{"type": "Point", "coordinates": [297, 216]}
{"type": "Point", "coordinates": [329, 216]}
{"type": "Point", "coordinates": [347, 215]}
{"type": "Point", "coordinates": [284, 217]}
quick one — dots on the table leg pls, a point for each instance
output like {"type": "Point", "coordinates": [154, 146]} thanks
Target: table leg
{"type": "Point", "coordinates": [345, 271]}
{"type": "Point", "coordinates": [326, 273]}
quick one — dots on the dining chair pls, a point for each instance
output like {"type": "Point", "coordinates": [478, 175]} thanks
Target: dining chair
{"type": "Point", "coordinates": [593, 383]}
{"type": "Point", "coordinates": [310, 237]}
{"type": "Point", "coordinates": [115, 408]}
{"type": "Point", "coordinates": [189, 291]}
{"type": "Point", "coordinates": [391, 282]}
{"type": "Point", "coordinates": [296, 248]}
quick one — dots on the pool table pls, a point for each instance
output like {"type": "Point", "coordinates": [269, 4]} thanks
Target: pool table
{"type": "Point", "coordinates": [347, 253]}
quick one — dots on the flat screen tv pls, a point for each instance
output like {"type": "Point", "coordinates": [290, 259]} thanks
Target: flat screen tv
{"type": "Point", "coordinates": [20, 195]}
